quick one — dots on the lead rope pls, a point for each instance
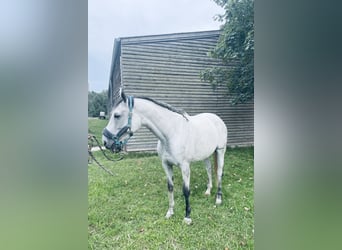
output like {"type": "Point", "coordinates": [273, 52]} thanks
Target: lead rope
{"type": "Point", "coordinates": [91, 140]}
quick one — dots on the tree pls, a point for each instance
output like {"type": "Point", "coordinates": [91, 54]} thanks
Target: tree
{"type": "Point", "coordinates": [236, 49]}
{"type": "Point", "coordinates": [97, 102]}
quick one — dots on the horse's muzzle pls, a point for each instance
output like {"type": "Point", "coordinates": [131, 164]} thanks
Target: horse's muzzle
{"type": "Point", "coordinates": [113, 142]}
{"type": "Point", "coordinates": [114, 146]}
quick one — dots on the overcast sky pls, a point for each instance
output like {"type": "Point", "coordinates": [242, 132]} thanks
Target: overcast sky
{"type": "Point", "coordinates": [110, 19]}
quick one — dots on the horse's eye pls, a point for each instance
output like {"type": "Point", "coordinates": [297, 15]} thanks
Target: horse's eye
{"type": "Point", "coordinates": [116, 116]}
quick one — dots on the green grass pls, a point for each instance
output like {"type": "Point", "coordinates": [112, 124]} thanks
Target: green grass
{"type": "Point", "coordinates": [126, 211]}
{"type": "Point", "coordinates": [95, 127]}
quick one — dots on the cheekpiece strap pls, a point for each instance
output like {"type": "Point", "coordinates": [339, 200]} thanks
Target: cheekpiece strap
{"type": "Point", "coordinates": [130, 103]}
{"type": "Point", "coordinates": [130, 106]}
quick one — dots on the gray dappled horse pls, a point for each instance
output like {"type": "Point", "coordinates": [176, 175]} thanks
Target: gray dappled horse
{"type": "Point", "coordinates": [182, 139]}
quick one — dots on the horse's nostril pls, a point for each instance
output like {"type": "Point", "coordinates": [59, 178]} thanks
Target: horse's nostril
{"type": "Point", "coordinates": [104, 143]}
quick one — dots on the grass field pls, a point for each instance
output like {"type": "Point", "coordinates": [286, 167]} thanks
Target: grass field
{"type": "Point", "coordinates": [126, 211]}
{"type": "Point", "coordinates": [95, 127]}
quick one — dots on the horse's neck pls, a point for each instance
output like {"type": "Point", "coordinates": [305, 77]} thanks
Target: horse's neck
{"type": "Point", "coordinates": [161, 121]}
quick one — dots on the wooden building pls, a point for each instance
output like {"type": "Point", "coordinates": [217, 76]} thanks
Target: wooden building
{"type": "Point", "coordinates": [167, 68]}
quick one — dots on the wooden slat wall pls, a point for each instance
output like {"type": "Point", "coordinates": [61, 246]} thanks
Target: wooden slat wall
{"type": "Point", "coordinates": [167, 68]}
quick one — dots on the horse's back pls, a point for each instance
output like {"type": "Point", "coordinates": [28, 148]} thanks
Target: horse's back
{"type": "Point", "coordinates": [207, 132]}
{"type": "Point", "coordinates": [213, 122]}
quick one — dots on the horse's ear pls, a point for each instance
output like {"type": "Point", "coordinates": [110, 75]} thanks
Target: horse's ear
{"type": "Point", "coordinates": [123, 95]}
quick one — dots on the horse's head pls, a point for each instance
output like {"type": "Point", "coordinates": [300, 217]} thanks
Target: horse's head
{"type": "Point", "coordinates": [122, 123]}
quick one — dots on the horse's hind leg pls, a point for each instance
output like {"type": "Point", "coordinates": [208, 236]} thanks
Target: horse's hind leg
{"type": "Point", "coordinates": [169, 174]}
{"type": "Point", "coordinates": [220, 163]}
{"type": "Point", "coordinates": [210, 183]}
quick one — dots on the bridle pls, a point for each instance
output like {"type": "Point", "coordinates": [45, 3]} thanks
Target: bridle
{"type": "Point", "coordinates": [118, 144]}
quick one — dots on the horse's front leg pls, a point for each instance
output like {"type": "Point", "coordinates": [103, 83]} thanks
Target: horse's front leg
{"type": "Point", "coordinates": [185, 167]}
{"type": "Point", "coordinates": [169, 175]}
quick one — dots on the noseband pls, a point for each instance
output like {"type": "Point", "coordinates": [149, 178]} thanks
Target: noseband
{"type": "Point", "coordinates": [118, 145]}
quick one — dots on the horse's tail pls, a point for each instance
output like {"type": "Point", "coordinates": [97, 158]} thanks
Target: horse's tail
{"type": "Point", "coordinates": [215, 165]}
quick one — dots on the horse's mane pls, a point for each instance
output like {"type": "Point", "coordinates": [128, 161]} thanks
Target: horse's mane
{"type": "Point", "coordinates": [166, 105]}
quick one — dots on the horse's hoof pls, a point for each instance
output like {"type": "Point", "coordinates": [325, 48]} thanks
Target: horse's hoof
{"type": "Point", "coordinates": [168, 214]}
{"type": "Point", "coordinates": [218, 201]}
{"type": "Point", "coordinates": [207, 193]}
{"type": "Point", "coordinates": [187, 221]}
